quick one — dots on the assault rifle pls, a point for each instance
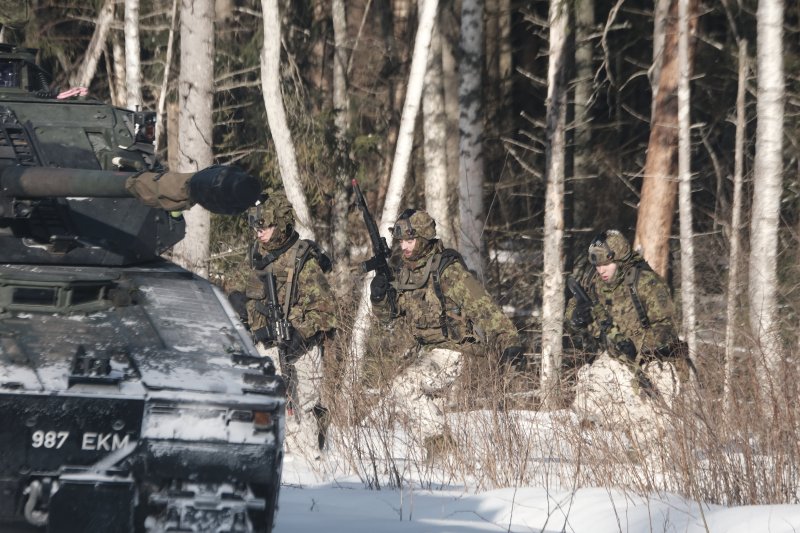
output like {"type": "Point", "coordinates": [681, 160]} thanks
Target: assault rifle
{"type": "Point", "coordinates": [605, 322]}
{"type": "Point", "coordinates": [380, 250]}
{"type": "Point", "coordinates": [278, 329]}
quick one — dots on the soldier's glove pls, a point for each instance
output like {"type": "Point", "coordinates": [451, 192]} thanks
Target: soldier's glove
{"type": "Point", "coordinates": [264, 335]}
{"type": "Point", "coordinates": [378, 288]}
{"type": "Point", "coordinates": [297, 345]}
{"type": "Point", "coordinates": [581, 316]}
{"type": "Point", "coordinates": [627, 348]}
{"type": "Point", "coordinates": [514, 357]}
{"type": "Point", "coordinates": [238, 301]}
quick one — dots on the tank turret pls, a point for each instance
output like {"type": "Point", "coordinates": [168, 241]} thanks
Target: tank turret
{"type": "Point", "coordinates": [82, 217]}
{"type": "Point", "coordinates": [79, 180]}
{"type": "Point", "coordinates": [131, 396]}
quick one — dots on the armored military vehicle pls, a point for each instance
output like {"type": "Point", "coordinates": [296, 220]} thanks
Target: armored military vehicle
{"type": "Point", "coordinates": [131, 397]}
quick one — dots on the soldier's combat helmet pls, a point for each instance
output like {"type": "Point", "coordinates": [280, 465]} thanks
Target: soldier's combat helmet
{"type": "Point", "coordinates": [418, 225]}
{"type": "Point", "coordinates": [272, 209]}
{"type": "Point", "coordinates": [414, 224]}
{"type": "Point", "coordinates": [608, 247]}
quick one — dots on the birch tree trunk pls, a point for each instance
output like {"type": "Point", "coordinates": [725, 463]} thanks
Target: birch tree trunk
{"type": "Point", "coordinates": [659, 188]}
{"type": "Point", "coordinates": [449, 31]}
{"type": "Point", "coordinates": [83, 77]}
{"type": "Point", "coordinates": [317, 56]}
{"type": "Point", "coordinates": [394, 17]}
{"type": "Point", "coordinates": [112, 83]}
{"type": "Point", "coordinates": [434, 129]}
{"type": "Point", "coordinates": [118, 52]}
{"type": "Point", "coordinates": [470, 184]}
{"type": "Point", "coordinates": [685, 186]}
{"type": "Point", "coordinates": [162, 95]}
{"type": "Point", "coordinates": [276, 116]}
{"type": "Point", "coordinates": [133, 68]}
{"type": "Point", "coordinates": [660, 17]}
{"type": "Point", "coordinates": [734, 282]}
{"type": "Point", "coordinates": [341, 109]}
{"type": "Point", "coordinates": [553, 274]}
{"type": "Point", "coordinates": [195, 92]}
{"type": "Point", "coordinates": [584, 179]}
{"type": "Point", "coordinates": [397, 181]}
{"type": "Point", "coordinates": [768, 178]}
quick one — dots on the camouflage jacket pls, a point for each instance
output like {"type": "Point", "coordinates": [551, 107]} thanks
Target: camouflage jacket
{"type": "Point", "coordinates": [614, 301]}
{"type": "Point", "coordinates": [312, 310]}
{"type": "Point", "coordinates": [472, 315]}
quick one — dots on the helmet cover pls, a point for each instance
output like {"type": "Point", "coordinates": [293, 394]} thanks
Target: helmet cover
{"type": "Point", "coordinates": [272, 209]}
{"type": "Point", "coordinates": [608, 247]}
{"type": "Point", "coordinates": [414, 224]}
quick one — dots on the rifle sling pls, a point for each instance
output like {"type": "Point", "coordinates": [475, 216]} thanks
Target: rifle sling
{"type": "Point", "coordinates": [632, 281]}
{"type": "Point", "coordinates": [260, 262]}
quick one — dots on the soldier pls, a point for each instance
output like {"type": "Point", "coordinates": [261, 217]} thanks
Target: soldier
{"type": "Point", "coordinates": [631, 317]}
{"type": "Point", "coordinates": [298, 321]}
{"type": "Point", "coordinates": [632, 296]}
{"type": "Point", "coordinates": [448, 312]}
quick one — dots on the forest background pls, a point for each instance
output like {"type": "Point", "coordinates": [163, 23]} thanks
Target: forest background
{"type": "Point", "coordinates": [538, 124]}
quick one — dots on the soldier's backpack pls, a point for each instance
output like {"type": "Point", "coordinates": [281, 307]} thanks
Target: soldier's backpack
{"type": "Point", "coordinates": [632, 282]}
{"type": "Point", "coordinates": [440, 263]}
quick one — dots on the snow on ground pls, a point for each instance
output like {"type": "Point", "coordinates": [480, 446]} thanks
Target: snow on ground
{"type": "Point", "coordinates": [312, 501]}
{"type": "Point", "coordinates": [344, 505]}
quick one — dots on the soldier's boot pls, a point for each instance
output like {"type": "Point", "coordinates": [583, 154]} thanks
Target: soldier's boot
{"type": "Point", "coordinates": [323, 418]}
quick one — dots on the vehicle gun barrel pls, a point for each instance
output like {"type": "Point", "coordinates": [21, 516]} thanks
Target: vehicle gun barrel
{"type": "Point", "coordinates": [41, 182]}
{"type": "Point", "coordinates": [220, 189]}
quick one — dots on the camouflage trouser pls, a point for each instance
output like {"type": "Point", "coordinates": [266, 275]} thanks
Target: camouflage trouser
{"type": "Point", "coordinates": [422, 389]}
{"type": "Point", "coordinates": [305, 414]}
{"type": "Point", "coordinates": [609, 394]}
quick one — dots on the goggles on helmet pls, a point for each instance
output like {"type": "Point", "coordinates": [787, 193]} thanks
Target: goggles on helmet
{"type": "Point", "coordinates": [254, 221]}
{"type": "Point", "coordinates": [600, 253]}
{"type": "Point", "coordinates": [402, 229]}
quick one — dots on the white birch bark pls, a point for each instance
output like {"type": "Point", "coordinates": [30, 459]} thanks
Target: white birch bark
{"type": "Point", "coordinates": [685, 183]}
{"type": "Point", "coordinates": [471, 174]}
{"type": "Point", "coordinates": [434, 129]}
{"type": "Point", "coordinates": [83, 77]}
{"type": "Point", "coordinates": [734, 282]}
{"type": "Point", "coordinates": [768, 177]}
{"type": "Point", "coordinates": [133, 66]}
{"type": "Point", "coordinates": [553, 274]}
{"type": "Point", "coordinates": [405, 136]}
{"type": "Point", "coordinates": [118, 52]}
{"type": "Point", "coordinates": [397, 181]}
{"type": "Point", "coordinates": [196, 91]}
{"type": "Point", "coordinates": [276, 116]}
{"type": "Point", "coordinates": [162, 94]}
{"type": "Point", "coordinates": [341, 108]}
